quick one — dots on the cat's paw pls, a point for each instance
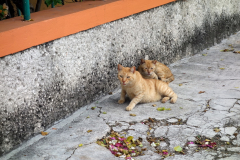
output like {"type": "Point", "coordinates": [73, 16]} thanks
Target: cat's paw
{"type": "Point", "coordinates": [121, 101]}
{"type": "Point", "coordinates": [165, 99]}
{"type": "Point", "coordinates": [129, 108]}
{"type": "Point", "coordinates": [173, 100]}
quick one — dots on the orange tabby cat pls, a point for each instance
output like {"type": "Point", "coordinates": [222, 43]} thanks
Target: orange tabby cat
{"type": "Point", "coordinates": [141, 90]}
{"type": "Point", "coordinates": [152, 69]}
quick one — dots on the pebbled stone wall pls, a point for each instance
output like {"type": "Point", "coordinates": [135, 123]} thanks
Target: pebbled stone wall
{"type": "Point", "coordinates": [46, 83]}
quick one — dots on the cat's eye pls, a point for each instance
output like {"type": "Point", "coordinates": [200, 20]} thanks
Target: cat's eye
{"type": "Point", "coordinates": [128, 77]}
{"type": "Point", "coordinates": [121, 76]}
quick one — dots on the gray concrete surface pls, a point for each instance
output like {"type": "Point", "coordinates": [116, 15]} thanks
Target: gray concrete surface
{"type": "Point", "coordinates": [211, 71]}
{"type": "Point", "coordinates": [46, 83]}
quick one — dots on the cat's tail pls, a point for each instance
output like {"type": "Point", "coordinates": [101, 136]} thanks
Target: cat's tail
{"type": "Point", "coordinates": [171, 78]}
{"type": "Point", "coordinates": [166, 92]}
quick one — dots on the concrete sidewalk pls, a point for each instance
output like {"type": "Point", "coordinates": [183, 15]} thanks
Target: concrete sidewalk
{"type": "Point", "coordinates": [208, 107]}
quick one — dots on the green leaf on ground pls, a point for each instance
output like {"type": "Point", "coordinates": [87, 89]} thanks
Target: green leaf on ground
{"type": "Point", "coordinates": [129, 138]}
{"type": "Point", "coordinates": [163, 109]}
{"type": "Point", "coordinates": [178, 148]}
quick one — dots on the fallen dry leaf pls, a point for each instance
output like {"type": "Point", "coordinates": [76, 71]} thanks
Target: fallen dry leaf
{"type": "Point", "coordinates": [54, 128]}
{"type": "Point", "coordinates": [110, 93]}
{"type": "Point", "coordinates": [222, 68]}
{"type": "Point", "coordinates": [133, 115]}
{"type": "Point", "coordinates": [180, 84]}
{"type": "Point", "coordinates": [236, 51]}
{"type": "Point", "coordinates": [204, 54]}
{"type": "Point", "coordinates": [154, 105]}
{"type": "Point", "coordinates": [44, 133]}
{"type": "Point", "coordinates": [150, 119]}
{"type": "Point", "coordinates": [104, 112]}
{"type": "Point", "coordinates": [89, 131]}
{"type": "Point", "coordinates": [227, 50]}
{"type": "Point", "coordinates": [201, 92]}
{"type": "Point", "coordinates": [216, 129]}
{"type": "Point", "coordinates": [93, 108]}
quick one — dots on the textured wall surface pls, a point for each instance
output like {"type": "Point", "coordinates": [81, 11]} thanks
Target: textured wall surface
{"type": "Point", "coordinates": [46, 83]}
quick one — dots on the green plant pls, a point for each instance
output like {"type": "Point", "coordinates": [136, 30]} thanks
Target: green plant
{"type": "Point", "coordinates": [49, 2]}
{"type": "Point", "coordinates": [3, 11]}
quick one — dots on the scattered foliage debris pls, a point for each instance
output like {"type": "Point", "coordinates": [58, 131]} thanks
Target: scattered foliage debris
{"type": "Point", "coordinates": [180, 84]}
{"type": "Point", "coordinates": [93, 108]}
{"type": "Point", "coordinates": [110, 93]}
{"type": "Point", "coordinates": [133, 115]}
{"type": "Point", "coordinates": [87, 117]}
{"type": "Point", "coordinates": [204, 54]}
{"type": "Point", "coordinates": [44, 133]}
{"type": "Point", "coordinates": [104, 112]}
{"type": "Point", "coordinates": [121, 146]}
{"type": "Point", "coordinates": [154, 105]}
{"type": "Point", "coordinates": [80, 145]}
{"type": "Point", "coordinates": [54, 128]}
{"type": "Point", "coordinates": [207, 143]}
{"type": "Point", "coordinates": [181, 107]}
{"type": "Point", "coordinates": [222, 68]}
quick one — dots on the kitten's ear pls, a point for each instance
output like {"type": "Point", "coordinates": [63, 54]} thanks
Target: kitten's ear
{"type": "Point", "coordinates": [120, 67]}
{"type": "Point", "coordinates": [133, 69]}
{"type": "Point", "coordinates": [142, 61]}
{"type": "Point", "coordinates": [154, 61]}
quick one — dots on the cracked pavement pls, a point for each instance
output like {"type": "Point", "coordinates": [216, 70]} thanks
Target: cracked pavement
{"type": "Point", "coordinates": [215, 73]}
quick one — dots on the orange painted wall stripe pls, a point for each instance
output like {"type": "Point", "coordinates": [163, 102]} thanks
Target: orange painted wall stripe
{"type": "Point", "coordinates": [48, 25]}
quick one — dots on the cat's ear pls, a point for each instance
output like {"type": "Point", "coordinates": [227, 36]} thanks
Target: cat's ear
{"type": "Point", "coordinates": [142, 61]}
{"type": "Point", "coordinates": [154, 61]}
{"type": "Point", "coordinates": [133, 69]}
{"type": "Point", "coordinates": [120, 67]}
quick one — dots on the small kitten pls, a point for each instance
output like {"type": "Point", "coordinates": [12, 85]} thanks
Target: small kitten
{"type": "Point", "coordinates": [152, 69]}
{"type": "Point", "coordinates": [141, 90]}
